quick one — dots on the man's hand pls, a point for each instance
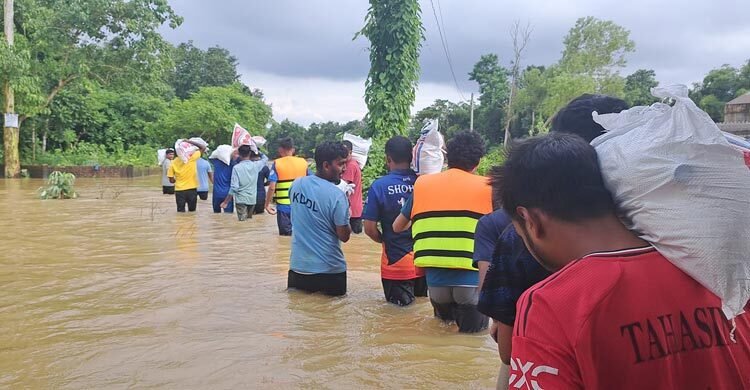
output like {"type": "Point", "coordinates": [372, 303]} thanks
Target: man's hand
{"type": "Point", "coordinates": [224, 204]}
{"type": "Point", "coordinates": [270, 210]}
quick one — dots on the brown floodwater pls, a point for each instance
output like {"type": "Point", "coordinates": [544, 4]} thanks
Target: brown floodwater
{"type": "Point", "coordinates": [115, 290]}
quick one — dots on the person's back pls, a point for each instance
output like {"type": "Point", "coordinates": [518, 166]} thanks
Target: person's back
{"type": "Point", "coordinates": [668, 329]}
{"type": "Point", "coordinates": [244, 186]}
{"type": "Point", "coordinates": [353, 175]}
{"type": "Point", "coordinates": [185, 176]}
{"type": "Point", "coordinates": [167, 186]}
{"type": "Point", "coordinates": [205, 173]}
{"type": "Point", "coordinates": [222, 181]}
{"type": "Point", "coordinates": [283, 172]}
{"type": "Point", "coordinates": [262, 183]}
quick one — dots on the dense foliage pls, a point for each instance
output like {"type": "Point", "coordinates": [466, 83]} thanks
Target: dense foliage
{"type": "Point", "coordinates": [59, 186]}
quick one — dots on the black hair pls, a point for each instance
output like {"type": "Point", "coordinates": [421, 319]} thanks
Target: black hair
{"type": "Point", "coordinates": [348, 145]}
{"type": "Point", "coordinates": [328, 152]}
{"type": "Point", "coordinates": [576, 117]}
{"type": "Point", "coordinates": [465, 150]}
{"type": "Point", "coordinates": [286, 143]}
{"type": "Point", "coordinates": [557, 173]}
{"type": "Point", "coordinates": [245, 151]}
{"type": "Point", "coordinates": [398, 148]}
{"type": "Point", "coordinates": [170, 150]}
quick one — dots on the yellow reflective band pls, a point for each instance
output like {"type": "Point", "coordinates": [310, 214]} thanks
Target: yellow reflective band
{"type": "Point", "coordinates": [444, 262]}
{"type": "Point", "coordinates": [284, 185]}
{"type": "Point", "coordinates": [445, 224]}
{"type": "Point", "coordinates": [447, 244]}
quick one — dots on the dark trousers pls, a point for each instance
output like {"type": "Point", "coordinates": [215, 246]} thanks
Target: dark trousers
{"type": "Point", "coordinates": [216, 200]}
{"type": "Point", "coordinates": [459, 304]}
{"type": "Point", "coordinates": [403, 292]}
{"type": "Point", "coordinates": [189, 197]}
{"type": "Point", "coordinates": [167, 190]}
{"type": "Point", "coordinates": [260, 205]}
{"type": "Point", "coordinates": [284, 220]}
{"type": "Point", "coordinates": [203, 195]}
{"type": "Point", "coordinates": [356, 224]}
{"type": "Point", "coordinates": [328, 284]}
{"type": "Point", "coordinates": [245, 211]}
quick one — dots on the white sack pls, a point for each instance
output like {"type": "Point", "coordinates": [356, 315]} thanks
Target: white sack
{"type": "Point", "coordinates": [241, 137]}
{"type": "Point", "coordinates": [428, 155]}
{"type": "Point", "coordinates": [161, 155]}
{"type": "Point", "coordinates": [184, 149]}
{"type": "Point", "coordinates": [222, 153]}
{"type": "Point", "coordinates": [684, 187]}
{"type": "Point", "coordinates": [360, 148]}
{"type": "Point", "coordinates": [259, 140]}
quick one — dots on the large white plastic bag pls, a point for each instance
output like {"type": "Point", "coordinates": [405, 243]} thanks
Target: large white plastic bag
{"type": "Point", "coordinates": [222, 153]}
{"type": "Point", "coordinates": [240, 137]}
{"type": "Point", "coordinates": [184, 149]}
{"type": "Point", "coordinates": [428, 155]}
{"type": "Point", "coordinates": [683, 187]}
{"type": "Point", "coordinates": [161, 155]}
{"type": "Point", "coordinates": [360, 148]}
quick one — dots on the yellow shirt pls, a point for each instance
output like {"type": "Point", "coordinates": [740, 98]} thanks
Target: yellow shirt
{"type": "Point", "coordinates": [185, 174]}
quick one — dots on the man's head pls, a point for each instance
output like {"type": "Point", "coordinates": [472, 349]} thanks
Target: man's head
{"type": "Point", "coordinates": [330, 160]}
{"type": "Point", "coordinates": [245, 151]}
{"type": "Point", "coordinates": [170, 154]}
{"type": "Point", "coordinates": [286, 147]}
{"type": "Point", "coordinates": [465, 150]}
{"type": "Point", "coordinates": [349, 147]}
{"type": "Point", "coordinates": [550, 186]}
{"type": "Point", "coordinates": [398, 153]}
{"type": "Point", "coordinates": [576, 117]}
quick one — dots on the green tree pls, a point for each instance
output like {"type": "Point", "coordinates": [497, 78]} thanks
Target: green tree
{"type": "Point", "coordinates": [195, 68]}
{"type": "Point", "coordinates": [395, 32]}
{"type": "Point", "coordinates": [285, 129]}
{"type": "Point", "coordinates": [495, 90]}
{"type": "Point", "coordinates": [638, 87]}
{"type": "Point", "coordinates": [532, 89]}
{"type": "Point", "coordinates": [595, 47]}
{"type": "Point", "coordinates": [452, 117]}
{"type": "Point", "coordinates": [211, 113]}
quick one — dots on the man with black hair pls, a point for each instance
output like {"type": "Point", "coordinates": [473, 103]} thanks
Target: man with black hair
{"type": "Point", "coordinates": [167, 187]}
{"type": "Point", "coordinates": [284, 171]}
{"type": "Point", "coordinates": [184, 175]}
{"type": "Point", "coordinates": [320, 222]}
{"type": "Point", "coordinates": [353, 175]}
{"type": "Point", "coordinates": [616, 313]}
{"type": "Point", "coordinates": [401, 280]}
{"type": "Point", "coordinates": [500, 253]}
{"type": "Point", "coordinates": [243, 188]}
{"type": "Point", "coordinates": [444, 211]}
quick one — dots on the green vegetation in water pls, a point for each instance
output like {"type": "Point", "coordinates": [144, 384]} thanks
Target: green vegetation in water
{"type": "Point", "coordinates": [59, 186]}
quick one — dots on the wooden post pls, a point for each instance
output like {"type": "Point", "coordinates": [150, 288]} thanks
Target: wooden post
{"type": "Point", "coordinates": [10, 133]}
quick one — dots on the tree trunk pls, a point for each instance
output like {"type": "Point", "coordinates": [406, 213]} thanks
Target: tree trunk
{"type": "Point", "coordinates": [533, 122]}
{"type": "Point", "coordinates": [10, 134]}
{"type": "Point", "coordinates": [44, 142]}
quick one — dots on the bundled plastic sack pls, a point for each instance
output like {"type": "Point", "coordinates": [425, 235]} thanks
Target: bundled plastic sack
{"type": "Point", "coordinates": [222, 153]}
{"type": "Point", "coordinates": [428, 155]}
{"type": "Point", "coordinates": [241, 137]}
{"type": "Point", "coordinates": [684, 187]}
{"type": "Point", "coordinates": [161, 155]}
{"type": "Point", "coordinates": [360, 148]}
{"type": "Point", "coordinates": [184, 149]}
{"type": "Point", "coordinates": [259, 140]}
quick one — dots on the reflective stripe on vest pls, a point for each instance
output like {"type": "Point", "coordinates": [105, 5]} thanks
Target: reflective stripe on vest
{"type": "Point", "coordinates": [287, 169]}
{"type": "Point", "coordinates": [445, 239]}
{"type": "Point", "coordinates": [446, 209]}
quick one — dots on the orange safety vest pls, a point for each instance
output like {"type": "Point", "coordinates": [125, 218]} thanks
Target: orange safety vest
{"type": "Point", "coordinates": [287, 169]}
{"type": "Point", "coordinates": [446, 209]}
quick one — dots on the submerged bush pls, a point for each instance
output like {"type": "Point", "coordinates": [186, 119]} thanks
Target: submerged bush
{"type": "Point", "coordinates": [59, 186]}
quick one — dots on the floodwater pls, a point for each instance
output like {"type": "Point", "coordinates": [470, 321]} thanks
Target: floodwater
{"type": "Point", "coordinates": [115, 290]}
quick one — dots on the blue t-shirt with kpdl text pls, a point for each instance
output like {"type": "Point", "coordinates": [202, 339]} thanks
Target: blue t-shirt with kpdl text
{"type": "Point", "coordinates": [385, 199]}
{"type": "Point", "coordinates": [318, 206]}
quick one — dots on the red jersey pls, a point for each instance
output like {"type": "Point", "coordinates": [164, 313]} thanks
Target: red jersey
{"type": "Point", "coordinates": [353, 175]}
{"type": "Point", "coordinates": [627, 320]}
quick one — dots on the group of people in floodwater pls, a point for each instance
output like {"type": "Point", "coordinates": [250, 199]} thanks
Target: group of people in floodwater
{"type": "Point", "coordinates": [575, 299]}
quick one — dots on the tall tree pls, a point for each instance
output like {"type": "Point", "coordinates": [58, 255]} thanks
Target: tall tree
{"type": "Point", "coordinates": [452, 117]}
{"type": "Point", "coordinates": [99, 41]}
{"type": "Point", "coordinates": [493, 86]}
{"type": "Point", "coordinates": [195, 68]}
{"type": "Point", "coordinates": [638, 87]}
{"type": "Point", "coordinates": [395, 31]}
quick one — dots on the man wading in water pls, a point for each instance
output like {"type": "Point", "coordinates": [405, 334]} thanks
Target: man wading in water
{"type": "Point", "coordinates": [320, 222]}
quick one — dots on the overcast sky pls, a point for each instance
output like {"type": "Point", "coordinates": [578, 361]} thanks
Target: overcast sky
{"type": "Point", "coordinates": [301, 52]}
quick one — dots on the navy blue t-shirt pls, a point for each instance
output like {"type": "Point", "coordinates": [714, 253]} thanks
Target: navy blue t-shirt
{"type": "Point", "coordinates": [384, 201]}
{"type": "Point", "coordinates": [222, 177]}
{"type": "Point", "coordinates": [512, 271]}
{"type": "Point", "coordinates": [262, 182]}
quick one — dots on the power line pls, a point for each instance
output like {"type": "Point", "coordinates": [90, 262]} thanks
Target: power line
{"type": "Point", "coordinates": [445, 47]}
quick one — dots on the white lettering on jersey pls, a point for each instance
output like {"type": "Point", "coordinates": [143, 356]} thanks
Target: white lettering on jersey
{"type": "Point", "coordinates": [517, 381]}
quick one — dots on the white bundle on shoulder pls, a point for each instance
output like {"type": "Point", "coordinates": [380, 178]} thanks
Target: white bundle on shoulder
{"type": "Point", "coordinates": [360, 148]}
{"type": "Point", "coordinates": [684, 186]}
{"type": "Point", "coordinates": [222, 153]}
{"type": "Point", "coordinates": [428, 154]}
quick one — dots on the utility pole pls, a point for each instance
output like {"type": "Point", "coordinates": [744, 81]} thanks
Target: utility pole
{"type": "Point", "coordinates": [10, 129]}
{"type": "Point", "coordinates": [471, 121]}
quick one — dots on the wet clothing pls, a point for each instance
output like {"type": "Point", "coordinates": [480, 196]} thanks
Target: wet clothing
{"type": "Point", "coordinates": [512, 270]}
{"type": "Point", "coordinates": [627, 319]}
{"type": "Point", "coordinates": [284, 223]}
{"type": "Point", "coordinates": [185, 174]}
{"type": "Point", "coordinates": [328, 284]}
{"type": "Point", "coordinates": [203, 195]}
{"type": "Point", "coordinates": [204, 168]}
{"type": "Point", "coordinates": [167, 190]}
{"type": "Point", "coordinates": [262, 183]}
{"type": "Point", "coordinates": [318, 207]}
{"type": "Point", "coordinates": [244, 184]}
{"type": "Point", "coordinates": [353, 175]}
{"type": "Point", "coordinates": [222, 181]}
{"type": "Point", "coordinates": [458, 304]}
{"type": "Point", "coordinates": [384, 201]}
{"type": "Point", "coordinates": [283, 172]}
{"type": "Point", "coordinates": [245, 211]}
{"type": "Point", "coordinates": [164, 176]}
{"type": "Point", "coordinates": [186, 197]}
{"type": "Point", "coordinates": [403, 292]}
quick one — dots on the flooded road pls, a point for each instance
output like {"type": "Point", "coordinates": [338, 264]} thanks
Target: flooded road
{"type": "Point", "coordinates": [115, 290]}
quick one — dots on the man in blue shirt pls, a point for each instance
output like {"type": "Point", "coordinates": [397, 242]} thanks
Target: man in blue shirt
{"type": "Point", "coordinates": [205, 175]}
{"type": "Point", "coordinates": [320, 222]}
{"type": "Point", "coordinates": [263, 175]}
{"type": "Point", "coordinates": [222, 181]}
{"type": "Point", "coordinates": [401, 280]}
